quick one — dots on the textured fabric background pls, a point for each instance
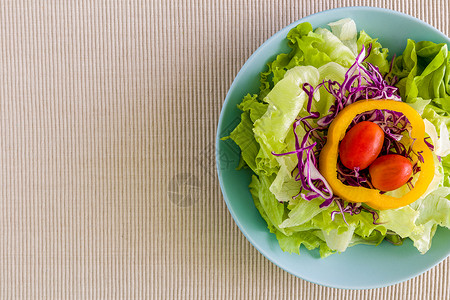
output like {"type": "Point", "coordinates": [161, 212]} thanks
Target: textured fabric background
{"type": "Point", "coordinates": [108, 111]}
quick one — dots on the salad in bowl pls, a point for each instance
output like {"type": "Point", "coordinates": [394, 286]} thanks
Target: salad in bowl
{"type": "Point", "coordinates": [347, 145]}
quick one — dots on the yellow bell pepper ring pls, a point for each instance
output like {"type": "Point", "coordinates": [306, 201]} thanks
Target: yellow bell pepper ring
{"type": "Point", "coordinates": [329, 156]}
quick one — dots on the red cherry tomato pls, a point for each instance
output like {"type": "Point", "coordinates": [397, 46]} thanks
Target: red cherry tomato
{"type": "Point", "coordinates": [389, 172]}
{"type": "Point", "coordinates": [361, 145]}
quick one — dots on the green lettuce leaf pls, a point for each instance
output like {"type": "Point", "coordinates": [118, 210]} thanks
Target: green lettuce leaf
{"type": "Point", "coordinates": [323, 99]}
{"type": "Point", "coordinates": [271, 210]}
{"type": "Point", "coordinates": [400, 220]}
{"type": "Point", "coordinates": [285, 101]}
{"type": "Point", "coordinates": [303, 212]}
{"type": "Point", "coordinates": [310, 48]}
{"type": "Point", "coordinates": [423, 70]}
{"type": "Point", "coordinates": [285, 186]}
{"type": "Point", "coordinates": [378, 54]}
{"type": "Point", "coordinates": [345, 30]}
{"type": "Point", "coordinates": [243, 135]}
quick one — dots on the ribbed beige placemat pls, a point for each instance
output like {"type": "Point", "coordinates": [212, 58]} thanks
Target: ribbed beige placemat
{"type": "Point", "coordinates": [108, 111]}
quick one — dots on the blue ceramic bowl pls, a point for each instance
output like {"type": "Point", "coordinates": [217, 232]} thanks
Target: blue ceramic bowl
{"type": "Point", "coordinates": [361, 266]}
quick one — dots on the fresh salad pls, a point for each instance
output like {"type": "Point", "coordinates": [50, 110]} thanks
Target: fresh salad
{"type": "Point", "coordinates": [347, 146]}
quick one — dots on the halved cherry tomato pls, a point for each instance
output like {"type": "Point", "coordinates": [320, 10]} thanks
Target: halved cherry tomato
{"type": "Point", "coordinates": [389, 172]}
{"type": "Point", "coordinates": [361, 145]}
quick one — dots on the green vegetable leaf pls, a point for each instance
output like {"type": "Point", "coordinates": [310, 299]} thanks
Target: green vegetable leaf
{"type": "Point", "coordinates": [378, 54]}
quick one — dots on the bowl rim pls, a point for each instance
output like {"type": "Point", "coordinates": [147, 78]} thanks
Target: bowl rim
{"type": "Point", "coordinates": [242, 70]}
